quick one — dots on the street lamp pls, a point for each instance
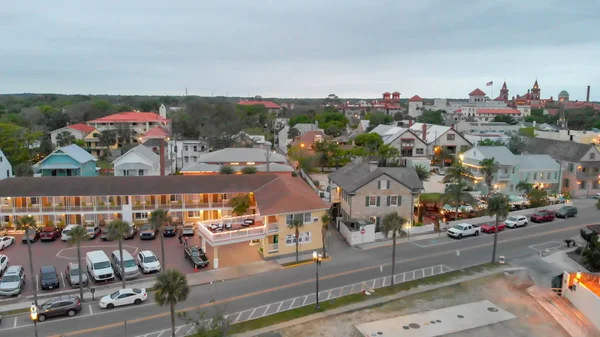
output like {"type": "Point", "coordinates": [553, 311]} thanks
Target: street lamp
{"type": "Point", "coordinates": [317, 258]}
{"type": "Point", "coordinates": [34, 317]}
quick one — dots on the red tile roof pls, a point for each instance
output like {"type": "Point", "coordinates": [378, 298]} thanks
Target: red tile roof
{"type": "Point", "coordinates": [386, 93]}
{"type": "Point", "coordinates": [156, 132]}
{"type": "Point", "coordinates": [499, 99]}
{"type": "Point", "coordinates": [286, 195]}
{"type": "Point", "coordinates": [267, 104]}
{"type": "Point", "coordinates": [415, 98]}
{"type": "Point", "coordinates": [579, 105]}
{"type": "Point", "coordinates": [130, 117]}
{"type": "Point", "coordinates": [477, 92]}
{"type": "Point", "coordinates": [395, 93]}
{"type": "Point", "coordinates": [499, 111]}
{"type": "Point", "coordinates": [82, 127]}
{"type": "Point", "coordinates": [552, 112]}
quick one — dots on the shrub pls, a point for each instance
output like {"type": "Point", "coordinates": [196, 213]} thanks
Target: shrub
{"type": "Point", "coordinates": [249, 170]}
{"type": "Point", "coordinates": [294, 174]}
{"type": "Point", "coordinates": [316, 182]}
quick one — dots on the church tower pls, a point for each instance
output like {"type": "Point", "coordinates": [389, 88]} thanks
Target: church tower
{"type": "Point", "coordinates": [504, 92]}
{"type": "Point", "coordinates": [535, 92]}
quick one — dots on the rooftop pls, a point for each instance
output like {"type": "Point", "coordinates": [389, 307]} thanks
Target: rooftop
{"type": "Point", "coordinates": [73, 151]}
{"type": "Point", "coordinates": [81, 127]}
{"type": "Point", "coordinates": [504, 111]}
{"type": "Point", "coordinates": [130, 117]}
{"type": "Point", "coordinates": [156, 132]}
{"type": "Point", "coordinates": [536, 162]}
{"type": "Point", "coordinates": [241, 155]}
{"type": "Point", "coordinates": [501, 154]}
{"type": "Point", "coordinates": [557, 149]}
{"type": "Point", "coordinates": [477, 92]}
{"type": "Point", "coordinates": [415, 98]}
{"type": "Point", "coordinates": [267, 104]}
{"type": "Point", "coordinates": [355, 175]}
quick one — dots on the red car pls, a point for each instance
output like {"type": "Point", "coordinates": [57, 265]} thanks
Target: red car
{"type": "Point", "coordinates": [543, 216]}
{"type": "Point", "coordinates": [491, 227]}
{"type": "Point", "coordinates": [50, 234]}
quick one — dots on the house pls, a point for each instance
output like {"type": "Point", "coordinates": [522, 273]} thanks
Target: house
{"type": "Point", "coordinates": [139, 123]}
{"type": "Point", "coordinates": [68, 160]}
{"type": "Point", "coordinates": [180, 153]}
{"type": "Point", "coordinates": [441, 139]}
{"type": "Point", "coordinates": [275, 201]}
{"type": "Point", "coordinates": [415, 106]}
{"type": "Point", "coordinates": [246, 140]}
{"type": "Point", "coordinates": [270, 106]}
{"type": "Point", "coordinates": [365, 192]}
{"type": "Point", "coordinates": [79, 131]}
{"type": "Point", "coordinates": [5, 167]}
{"type": "Point", "coordinates": [411, 147]}
{"type": "Point", "coordinates": [157, 132]}
{"type": "Point", "coordinates": [478, 128]}
{"type": "Point", "coordinates": [238, 158]}
{"type": "Point", "coordinates": [389, 105]}
{"type": "Point", "coordinates": [308, 140]}
{"type": "Point", "coordinates": [141, 161]}
{"type": "Point", "coordinates": [579, 164]}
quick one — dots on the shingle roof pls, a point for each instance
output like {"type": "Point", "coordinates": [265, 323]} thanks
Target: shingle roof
{"type": "Point", "coordinates": [536, 162]}
{"type": "Point", "coordinates": [415, 98]}
{"type": "Point", "coordinates": [557, 149]}
{"type": "Point", "coordinates": [355, 175]}
{"type": "Point", "coordinates": [81, 127]}
{"type": "Point", "coordinates": [127, 117]}
{"type": "Point", "coordinates": [156, 132]}
{"type": "Point", "coordinates": [235, 154]}
{"type": "Point", "coordinates": [143, 151]}
{"type": "Point", "coordinates": [477, 92]}
{"type": "Point", "coordinates": [73, 151]}
{"type": "Point", "coordinates": [501, 154]}
{"type": "Point", "coordinates": [287, 194]}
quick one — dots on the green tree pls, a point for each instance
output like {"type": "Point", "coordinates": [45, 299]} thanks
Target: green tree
{"type": "Point", "coordinates": [498, 206]}
{"type": "Point", "coordinates": [516, 143]}
{"type": "Point", "coordinates": [23, 170]}
{"type": "Point", "coordinates": [249, 170]}
{"type": "Point", "coordinates": [456, 195]}
{"type": "Point", "coordinates": [158, 220]}
{"type": "Point", "coordinates": [28, 224]}
{"type": "Point", "coordinates": [524, 186]}
{"type": "Point", "coordinates": [226, 169]}
{"type": "Point", "coordinates": [118, 229]}
{"type": "Point", "coordinates": [370, 141]}
{"type": "Point", "coordinates": [12, 143]}
{"type": "Point", "coordinates": [489, 142]}
{"type": "Point", "coordinates": [392, 223]}
{"type": "Point", "coordinates": [489, 167]}
{"type": "Point", "coordinates": [296, 225]}
{"type": "Point", "coordinates": [422, 172]}
{"type": "Point", "coordinates": [326, 152]}
{"type": "Point", "coordinates": [64, 138]}
{"type": "Point", "coordinates": [537, 198]}
{"type": "Point", "coordinates": [240, 204]}
{"type": "Point", "coordinates": [293, 133]}
{"type": "Point", "coordinates": [325, 220]}
{"type": "Point", "coordinates": [432, 117]}
{"type": "Point", "coordinates": [505, 119]}
{"type": "Point", "coordinates": [78, 235]}
{"type": "Point", "coordinates": [171, 288]}
{"type": "Point", "coordinates": [458, 173]}
{"type": "Point", "coordinates": [376, 119]}
{"type": "Point", "coordinates": [107, 138]}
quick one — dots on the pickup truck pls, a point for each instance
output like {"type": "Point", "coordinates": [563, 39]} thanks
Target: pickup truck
{"type": "Point", "coordinates": [463, 229]}
{"type": "Point", "coordinates": [196, 256]}
{"type": "Point", "coordinates": [542, 216]}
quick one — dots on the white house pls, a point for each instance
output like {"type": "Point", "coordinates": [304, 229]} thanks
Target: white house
{"type": "Point", "coordinates": [415, 106]}
{"type": "Point", "coordinates": [79, 131]}
{"type": "Point", "coordinates": [139, 161]}
{"type": "Point", "coordinates": [5, 167]}
{"type": "Point", "coordinates": [439, 137]}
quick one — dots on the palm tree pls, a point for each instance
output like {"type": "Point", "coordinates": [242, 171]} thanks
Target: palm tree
{"type": "Point", "coordinates": [107, 138]}
{"type": "Point", "coordinates": [64, 138]}
{"type": "Point", "coordinates": [392, 222]}
{"type": "Point", "coordinates": [158, 219]}
{"type": "Point", "coordinates": [118, 229]}
{"type": "Point", "coordinates": [457, 174]}
{"type": "Point", "coordinates": [296, 225]}
{"type": "Point", "coordinates": [488, 169]}
{"type": "Point", "coordinates": [27, 223]}
{"type": "Point", "coordinates": [325, 220]}
{"type": "Point", "coordinates": [498, 206]}
{"type": "Point", "coordinates": [76, 236]}
{"type": "Point", "coordinates": [456, 194]}
{"type": "Point", "coordinates": [422, 172]}
{"type": "Point", "coordinates": [524, 186]}
{"type": "Point", "coordinates": [171, 288]}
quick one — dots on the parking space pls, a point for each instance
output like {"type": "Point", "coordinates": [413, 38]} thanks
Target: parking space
{"type": "Point", "coordinates": [59, 254]}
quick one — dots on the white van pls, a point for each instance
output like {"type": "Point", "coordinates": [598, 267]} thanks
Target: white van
{"type": "Point", "coordinates": [65, 232]}
{"type": "Point", "coordinates": [129, 264]}
{"type": "Point", "coordinates": [98, 266]}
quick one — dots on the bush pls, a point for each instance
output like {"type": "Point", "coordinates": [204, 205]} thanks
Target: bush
{"type": "Point", "coordinates": [418, 224]}
{"type": "Point", "coordinates": [578, 250]}
{"type": "Point", "coordinates": [316, 182]}
{"type": "Point", "coordinates": [249, 170]}
{"type": "Point", "coordinates": [294, 174]}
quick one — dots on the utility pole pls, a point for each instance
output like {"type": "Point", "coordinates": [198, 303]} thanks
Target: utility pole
{"type": "Point", "coordinates": [268, 157]}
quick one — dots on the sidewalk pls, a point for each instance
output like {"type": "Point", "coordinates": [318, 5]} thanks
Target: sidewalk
{"type": "Point", "coordinates": [195, 279]}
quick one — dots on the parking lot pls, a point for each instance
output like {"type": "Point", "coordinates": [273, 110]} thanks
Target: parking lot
{"type": "Point", "coordinates": [59, 254]}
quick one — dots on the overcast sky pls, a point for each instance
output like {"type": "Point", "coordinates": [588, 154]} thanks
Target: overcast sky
{"type": "Point", "coordinates": [306, 48]}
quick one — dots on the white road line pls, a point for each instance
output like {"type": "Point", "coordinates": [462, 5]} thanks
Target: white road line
{"type": "Point", "coordinates": [209, 322]}
{"type": "Point", "coordinates": [91, 311]}
{"type": "Point", "coordinates": [403, 277]}
{"type": "Point", "coordinates": [191, 330]}
{"type": "Point", "coordinates": [253, 311]}
{"type": "Point", "coordinates": [279, 307]}
{"type": "Point", "coordinates": [304, 302]}
{"type": "Point", "coordinates": [329, 295]}
{"type": "Point", "coordinates": [413, 275]}
{"type": "Point", "coordinates": [15, 325]}
{"type": "Point", "coordinates": [237, 318]}
{"type": "Point", "coordinates": [160, 334]}
{"type": "Point", "coordinates": [294, 301]}
{"type": "Point", "coordinates": [176, 329]}
{"type": "Point", "coordinates": [265, 312]}
{"type": "Point", "coordinates": [37, 282]}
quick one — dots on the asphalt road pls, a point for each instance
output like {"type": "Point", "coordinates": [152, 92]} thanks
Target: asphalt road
{"type": "Point", "coordinates": [347, 267]}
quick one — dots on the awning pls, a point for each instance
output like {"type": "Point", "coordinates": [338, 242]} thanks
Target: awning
{"type": "Point", "coordinates": [57, 166]}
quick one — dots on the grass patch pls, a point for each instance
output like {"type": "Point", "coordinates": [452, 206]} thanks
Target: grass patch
{"type": "Point", "coordinates": [14, 312]}
{"type": "Point", "coordinates": [355, 298]}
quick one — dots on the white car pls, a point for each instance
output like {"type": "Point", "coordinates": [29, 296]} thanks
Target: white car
{"type": "Point", "coordinates": [463, 229]}
{"type": "Point", "coordinates": [6, 241]}
{"type": "Point", "coordinates": [65, 232]}
{"type": "Point", "coordinates": [3, 263]}
{"type": "Point", "coordinates": [515, 221]}
{"type": "Point", "coordinates": [148, 262]}
{"type": "Point", "coordinates": [124, 297]}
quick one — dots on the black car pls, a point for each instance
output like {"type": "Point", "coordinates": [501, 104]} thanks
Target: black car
{"type": "Point", "coordinates": [169, 231]}
{"type": "Point", "coordinates": [147, 232]}
{"type": "Point", "coordinates": [32, 234]}
{"type": "Point", "coordinates": [49, 278]}
{"type": "Point", "coordinates": [566, 212]}
{"type": "Point", "coordinates": [196, 256]}
{"type": "Point", "coordinates": [59, 306]}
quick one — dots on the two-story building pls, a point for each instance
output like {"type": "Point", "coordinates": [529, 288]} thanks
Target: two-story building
{"type": "Point", "coordinates": [366, 192]}
{"type": "Point", "coordinates": [441, 138]}
{"type": "Point", "coordinates": [272, 107]}
{"type": "Point", "coordinates": [275, 201]}
{"type": "Point", "coordinates": [411, 146]}
{"type": "Point", "coordinates": [238, 158]}
{"type": "Point", "coordinates": [139, 123]}
{"type": "Point", "coordinates": [141, 161]}
{"type": "Point", "coordinates": [69, 161]}
{"type": "Point", "coordinates": [78, 131]}
{"type": "Point", "coordinates": [579, 163]}
{"type": "Point", "coordinates": [5, 167]}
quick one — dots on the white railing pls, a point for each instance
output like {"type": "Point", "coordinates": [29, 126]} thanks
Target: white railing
{"type": "Point", "coordinates": [273, 228]}
{"type": "Point", "coordinates": [232, 234]}
{"type": "Point", "coordinates": [273, 247]}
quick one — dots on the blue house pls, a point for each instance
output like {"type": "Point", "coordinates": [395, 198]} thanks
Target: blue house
{"type": "Point", "coordinates": [68, 160]}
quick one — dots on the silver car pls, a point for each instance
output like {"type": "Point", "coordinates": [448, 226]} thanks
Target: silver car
{"type": "Point", "coordinates": [12, 281]}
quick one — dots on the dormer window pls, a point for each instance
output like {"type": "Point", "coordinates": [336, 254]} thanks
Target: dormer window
{"type": "Point", "coordinates": [592, 155]}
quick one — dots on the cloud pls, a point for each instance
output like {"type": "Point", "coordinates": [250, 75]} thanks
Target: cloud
{"type": "Point", "coordinates": [355, 48]}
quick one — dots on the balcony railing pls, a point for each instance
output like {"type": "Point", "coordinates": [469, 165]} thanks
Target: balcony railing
{"type": "Point", "coordinates": [272, 247]}
{"type": "Point", "coordinates": [144, 205]}
{"type": "Point", "coordinates": [257, 230]}
{"type": "Point", "coordinates": [503, 177]}
{"type": "Point", "coordinates": [587, 175]}
{"type": "Point", "coordinates": [272, 228]}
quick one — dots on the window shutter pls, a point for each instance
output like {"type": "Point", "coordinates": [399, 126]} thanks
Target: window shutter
{"type": "Point", "coordinates": [367, 201]}
{"type": "Point", "coordinates": [378, 201]}
{"type": "Point", "coordinates": [399, 200]}
{"type": "Point", "coordinates": [388, 184]}
{"type": "Point", "coordinates": [388, 200]}
{"type": "Point", "coordinates": [379, 184]}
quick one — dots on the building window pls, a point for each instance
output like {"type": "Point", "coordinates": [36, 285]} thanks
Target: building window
{"type": "Point", "coordinates": [307, 217]}
{"type": "Point", "coordinates": [420, 151]}
{"type": "Point", "coordinates": [186, 148]}
{"type": "Point", "coordinates": [195, 148]}
{"type": "Point", "coordinates": [541, 176]}
{"type": "Point", "coordinates": [141, 216]}
{"type": "Point", "coordinates": [571, 167]}
{"type": "Point", "coordinates": [125, 173]}
{"type": "Point", "coordinates": [34, 200]}
{"type": "Point", "coordinates": [566, 183]}
{"type": "Point", "coordinates": [173, 197]}
{"type": "Point", "coordinates": [582, 184]}
{"type": "Point", "coordinates": [450, 136]}
{"type": "Point", "coordinates": [383, 184]}
{"type": "Point", "coordinates": [186, 159]}
{"type": "Point", "coordinates": [555, 175]}
{"type": "Point", "coordinates": [535, 176]}
{"type": "Point", "coordinates": [305, 237]}
{"type": "Point", "coordinates": [194, 159]}
{"type": "Point", "coordinates": [372, 201]}
{"type": "Point", "coordinates": [595, 184]}
{"type": "Point", "coordinates": [225, 196]}
{"type": "Point", "coordinates": [194, 214]}
{"type": "Point", "coordinates": [512, 188]}
{"type": "Point", "coordinates": [393, 200]}
{"type": "Point", "coordinates": [140, 172]}
{"type": "Point", "coordinates": [592, 156]}
{"type": "Point", "coordinates": [303, 217]}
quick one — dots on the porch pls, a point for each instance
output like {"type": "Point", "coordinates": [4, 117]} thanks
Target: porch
{"type": "Point", "coordinates": [228, 230]}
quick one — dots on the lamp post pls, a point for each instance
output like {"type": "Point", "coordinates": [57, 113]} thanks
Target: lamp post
{"type": "Point", "coordinates": [34, 317]}
{"type": "Point", "coordinates": [317, 258]}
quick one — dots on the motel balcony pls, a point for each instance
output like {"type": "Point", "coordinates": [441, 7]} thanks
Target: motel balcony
{"type": "Point", "coordinates": [588, 175]}
{"type": "Point", "coordinates": [503, 177]}
{"type": "Point", "coordinates": [230, 230]}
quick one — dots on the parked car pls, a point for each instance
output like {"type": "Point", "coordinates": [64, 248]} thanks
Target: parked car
{"type": "Point", "coordinates": [72, 275]}
{"type": "Point", "coordinates": [92, 231]}
{"type": "Point", "coordinates": [33, 234]}
{"type": "Point", "coordinates": [98, 266]}
{"type": "Point", "coordinates": [147, 232]}
{"type": "Point", "coordinates": [12, 281]}
{"type": "Point", "coordinates": [124, 297]}
{"type": "Point", "coordinates": [131, 233]}
{"type": "Point", "coordinates": [49, 278]}
{"type": "Point", "coordinates": [491, 227]}
{"type": "Point", "coordinates": [6, 241]}
{"type": "Point", "coordinates": [67, 305]}
{"type": "Point", "coordinates": [65, 232]}
{"type": "Point", "coordinates": [463, 229]}
{"type": "Point", "coordinates": [515, 221]}
{"type": "Point", "coordinates": [169, 231]}
{"type": "Point", "coordinates": [196, 256]}
{"type": "Point", "coordinates": [566, 212]}
{"type": "Point", "coordinates": [50, 233]}
{"type": "Point", "coordinates": [542, 216]}
{"type": "Point", "coordinates": [188, 229]}
{"type": "Point", "coordinates": [148, 262]}
{"type": "Point", "coordinates": [3, 263]}
{"type": "Point", "coordinates": [130, 266]}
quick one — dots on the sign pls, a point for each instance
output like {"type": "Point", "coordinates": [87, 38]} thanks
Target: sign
{"type": "Point", "coordinates": [362, 231]}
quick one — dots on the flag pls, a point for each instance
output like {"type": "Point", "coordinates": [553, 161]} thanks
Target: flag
{"type": "Point", "coordinates": [489, 83]}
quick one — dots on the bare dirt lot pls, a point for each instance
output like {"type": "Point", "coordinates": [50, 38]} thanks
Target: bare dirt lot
{"type": "Point", "coordinates": [508, 292]}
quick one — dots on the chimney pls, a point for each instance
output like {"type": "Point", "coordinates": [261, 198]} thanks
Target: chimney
{"type": "Point", "coordinates": [373, 165]}
{"type": "Point", "coordinates": [410, 123]}
{"type": "Point", "coordinates": [162, 158]}
{"type": "Point", "coordinates": [587, 96]}
{"type": "Point", "coordinates": [452, 126]}
{"type": "Point", "coordinates": [424, 130]}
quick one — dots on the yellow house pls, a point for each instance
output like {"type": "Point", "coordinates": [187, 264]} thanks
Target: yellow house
{"type": "Point", "coordinates": [92, 143]}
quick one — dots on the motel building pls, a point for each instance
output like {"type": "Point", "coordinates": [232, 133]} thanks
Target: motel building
{"type": "Point", "coordinates": [275, 201]}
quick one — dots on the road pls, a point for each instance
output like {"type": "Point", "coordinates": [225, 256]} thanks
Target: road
{"type": "Point", "coordinates": [352, 266]}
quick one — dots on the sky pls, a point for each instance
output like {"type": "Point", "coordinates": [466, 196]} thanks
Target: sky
{"type": "Point", "coordinates": [307, 48]}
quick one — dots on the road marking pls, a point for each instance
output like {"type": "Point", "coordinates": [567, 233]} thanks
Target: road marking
{"type": "Point", "coordinates": [190, 330]}
{"type": "Point", "coordinates": [37, 282]}
{"type": "Point", "coordinates": [91, 311]}
{"type": "Point", "coordinates": [555, 244]}
{"type": "Point", "coordinates": [304, 302]}
{"type": "Point", "coordinates": [15, 325]}
{"type": "Point", "coordinates": [252, 313]}
{"type": "Point", "coordinates": [403, 277]}
{"type": "Point", "coordinates": [59, 254]}
{"type": "Point", "coordinates": [162, 333]}
{"type": "Point", "coordinates": [279, 307]}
